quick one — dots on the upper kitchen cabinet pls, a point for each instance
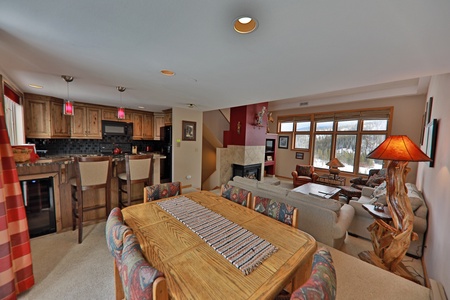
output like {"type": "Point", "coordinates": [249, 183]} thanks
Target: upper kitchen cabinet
{"type": "Point", "coordinates": [44, 117]}
{"type": "Point", "coordinates": [142, 125]}
{"type": "Point", "coordinates": [147, 127]}
{"type": "Point", "coordinates": [167, 117]}
{"type": "Point", "coordinates": [158, 121]}
{"type": "Point", "coordinates": [110, 114]}
{"type": "Point", "coordinates": [137, 119]}
{"type": "Point", "coordinates": [86, 122]}
{"type": "Point", "coordinates": [60, 123]}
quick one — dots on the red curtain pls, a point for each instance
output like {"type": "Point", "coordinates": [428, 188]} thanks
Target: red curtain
{"type": "Point", "coordinates": [16, 269]}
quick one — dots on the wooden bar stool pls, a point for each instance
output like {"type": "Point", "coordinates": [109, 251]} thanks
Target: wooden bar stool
{"type": "Point", "coordinates": [139, 169]}
{"type": "Point", "coordinates": [92, 172]}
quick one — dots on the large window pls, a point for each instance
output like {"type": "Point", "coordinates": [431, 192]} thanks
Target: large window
{"type": "Point", "coordinates": [300, 128]}
{"type": "Point", "coordinates": [348, 136]}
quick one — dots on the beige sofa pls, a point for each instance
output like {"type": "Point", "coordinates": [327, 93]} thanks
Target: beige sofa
{"type": "Point", "coordinates": [327, 220]}
{"type": "Point", "coordinates": [363, 219]}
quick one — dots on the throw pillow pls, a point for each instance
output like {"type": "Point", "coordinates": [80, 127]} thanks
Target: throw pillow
{"type": "Point", "coordinates": [375, 180]}
{"type": "Point", "coordinates": [379, 193]}
{"type": "Point", "coordinates": [304, 171]}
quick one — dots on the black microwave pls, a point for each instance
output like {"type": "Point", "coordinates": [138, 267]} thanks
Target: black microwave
{"type": "Point", "coordinates": [114, 128]}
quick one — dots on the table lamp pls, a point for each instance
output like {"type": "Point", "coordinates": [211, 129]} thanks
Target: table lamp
{"type": "Point", "coordinates": [391, 242]}
{"type": "Point", "coordinates": [334, 164]}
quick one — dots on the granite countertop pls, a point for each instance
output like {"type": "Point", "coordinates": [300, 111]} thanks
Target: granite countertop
{"type": "Point", "coordinates": [69, 158]}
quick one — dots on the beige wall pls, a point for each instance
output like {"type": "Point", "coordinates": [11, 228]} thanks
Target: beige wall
{"type": "Point", "coordinates": [187, 155]}
{"type": "Point", "coordinates": [407, 120]}
{"type": "Point", "coordinates": [435, 184]}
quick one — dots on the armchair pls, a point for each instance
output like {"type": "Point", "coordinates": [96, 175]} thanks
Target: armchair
{"type": "Point", "coordinates": [375, 178]}
{"type": "Point", "coordinates": [304, 174]}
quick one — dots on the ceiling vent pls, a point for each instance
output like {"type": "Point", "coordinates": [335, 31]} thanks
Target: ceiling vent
{"type": "Point", "coordinates": [304, 104]}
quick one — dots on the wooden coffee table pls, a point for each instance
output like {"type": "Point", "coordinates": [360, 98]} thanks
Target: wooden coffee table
{"type": "Point", "coordinates": [318, 190]}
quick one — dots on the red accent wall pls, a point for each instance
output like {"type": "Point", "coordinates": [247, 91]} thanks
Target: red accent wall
{"type": "Point", "coordinates": [250, 134]}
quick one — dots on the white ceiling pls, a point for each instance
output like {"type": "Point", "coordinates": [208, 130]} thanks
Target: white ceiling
{"type": "Point", "coordinates": [320, 51]}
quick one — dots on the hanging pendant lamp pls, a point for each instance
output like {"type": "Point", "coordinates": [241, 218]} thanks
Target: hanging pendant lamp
{"type": "Point", "coordinates": [121, 110]}
{"type": "Point", "coordinates": [68, 105]}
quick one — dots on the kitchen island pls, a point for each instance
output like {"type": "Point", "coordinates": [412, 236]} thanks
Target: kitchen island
{"type": "Point", "coordinates": [61, 168]}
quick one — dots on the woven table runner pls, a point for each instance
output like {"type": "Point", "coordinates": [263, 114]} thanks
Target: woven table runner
{"type": "Point", "coordinates": [244, 249]}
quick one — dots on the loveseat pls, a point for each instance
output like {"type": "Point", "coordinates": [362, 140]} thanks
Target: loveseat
{"type": "Point", "coordinates": [327, 220]}
{"type": "Point", "coordinates": [363, 219]}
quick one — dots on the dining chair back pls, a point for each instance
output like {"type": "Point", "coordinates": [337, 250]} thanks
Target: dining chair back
{"type": "Point", "coordinates": [162, 190]}
{"type": "Point", "coordinates": [91, 173]}
{"type": "Point", "coordinates": [278, 210]}
{"type": "Point", "coordinates": [236, 194]}
{"type": "Point", "coordinates": [134, 277]}
{"type": "Point", "coordinates": [322, 281]}
{"type": "Point", "coordinates": [138, 170]}
{"type": "Point", "coordinates": [139, 279]}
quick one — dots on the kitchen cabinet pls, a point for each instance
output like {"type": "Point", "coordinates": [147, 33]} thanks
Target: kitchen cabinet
{"type": "Point", "coordinates": [147, 127]}
{"type": "Point", "coordinates": [110, 114]}
{"type": "Point", "coordinates": [158, 121]}
{"type": "Point", "coordinates": [137, 119]}
{"type": "Point", "coordinates": [167, 117]}
{"type": "Point", "coordinates": [59, 123]}
{"type": "Point", "coordinates": [142, 125]}
{"type": "Point", "coordinates": [86, 122]}
{"type": "Point", "coordinates": [44, 117]}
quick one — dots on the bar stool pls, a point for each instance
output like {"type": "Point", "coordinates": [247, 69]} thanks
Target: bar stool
{"type": "Point", "coordinates": [92, 172]}
{"type": "Point", "coordinates": [139, 169]}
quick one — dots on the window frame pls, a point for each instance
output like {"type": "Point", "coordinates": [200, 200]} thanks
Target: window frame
{"type": "Point", "coordinates": [382, 113]}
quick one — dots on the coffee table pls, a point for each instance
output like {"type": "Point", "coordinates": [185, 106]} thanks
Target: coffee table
{"type": "Point", "coordinates": [318, 190]}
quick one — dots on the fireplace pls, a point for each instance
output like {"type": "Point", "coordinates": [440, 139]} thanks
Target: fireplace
{"type": "Point", "coordinates": [247, 171]}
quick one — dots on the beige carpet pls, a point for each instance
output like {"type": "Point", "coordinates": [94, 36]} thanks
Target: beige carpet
{"type": "Point", "coordinates": [64, 269]}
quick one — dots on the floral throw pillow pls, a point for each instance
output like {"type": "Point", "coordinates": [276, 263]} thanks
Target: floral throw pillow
{"type": "Point", "coordinates": [379, 193]}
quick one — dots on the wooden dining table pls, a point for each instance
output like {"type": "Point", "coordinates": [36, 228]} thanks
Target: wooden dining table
{"type": "Point", "coordinates": [194, 270]}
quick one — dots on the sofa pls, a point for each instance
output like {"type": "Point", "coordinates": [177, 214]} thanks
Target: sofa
{"type": "Point", "coordinates": [363, 219]}
{"type": "Point", "coordinates": [327, 220]}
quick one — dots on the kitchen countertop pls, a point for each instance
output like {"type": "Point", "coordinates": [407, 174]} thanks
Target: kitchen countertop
{"type": "Point", "coordinates": [69, 158]}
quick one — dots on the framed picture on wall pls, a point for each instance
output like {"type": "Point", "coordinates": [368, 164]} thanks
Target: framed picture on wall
{"type": "Point", "coordinates": [431, 133]}
{"type": "Point", "coordinates": [299, 155]}
{"type": "Point", "coordinates": [283, 142]}
{"type": "Point", "coordinates": [189, 131]}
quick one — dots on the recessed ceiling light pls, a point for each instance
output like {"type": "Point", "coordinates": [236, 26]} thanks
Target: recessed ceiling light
{"type": "Point", "coordinates": [167, 72]}
{"type": "Point", "coordinates": [35, 86]}
{"type": "Point", "coordinates": [245, 25]}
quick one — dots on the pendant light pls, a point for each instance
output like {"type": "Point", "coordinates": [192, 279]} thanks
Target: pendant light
{"type": "Point", "coordinates": [68, 105]}
{"type": "Point", "coordinates": [121, 110]}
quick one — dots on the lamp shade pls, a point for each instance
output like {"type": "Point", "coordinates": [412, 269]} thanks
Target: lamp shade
{"type": "Point", "coordinates": [335, 163]}
{"type": "Point", "coordinates": [400, 148]}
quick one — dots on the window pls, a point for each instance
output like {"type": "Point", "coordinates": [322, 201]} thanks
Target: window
{"type": "Point", "coordinates": [347, 135]}
{"type": "Point", "coordinates": [14, 117]}
{"type": "Point", "coordinates": [302, 134]}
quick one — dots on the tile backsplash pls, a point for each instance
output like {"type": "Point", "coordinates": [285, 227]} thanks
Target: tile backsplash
{"type": "Point", "coordinates": [83, 146]}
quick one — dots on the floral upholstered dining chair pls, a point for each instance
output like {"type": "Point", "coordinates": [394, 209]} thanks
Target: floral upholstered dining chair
{"type": "Point", "coordinates": [322, 281]}
{"type": "Point", "coordinates": [278, 210]}
{"type": "Point", "coordinates": [138, 279]}
{"type": "Point", "coordinates": [162, 190]}
{"type": "Point", "coordinates": [236, 194]}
